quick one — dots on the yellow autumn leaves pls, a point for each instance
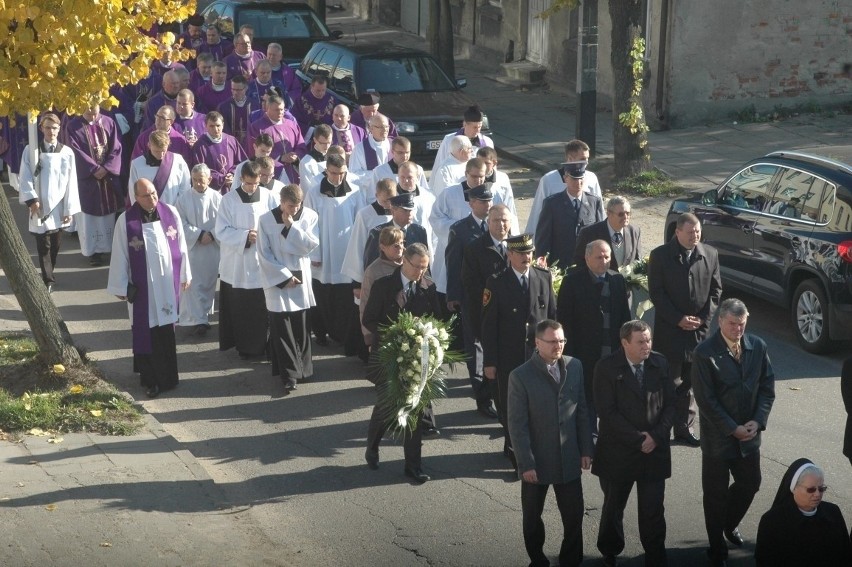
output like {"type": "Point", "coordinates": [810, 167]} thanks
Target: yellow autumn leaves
{"type": "Point", "coordinates": [66, 55]}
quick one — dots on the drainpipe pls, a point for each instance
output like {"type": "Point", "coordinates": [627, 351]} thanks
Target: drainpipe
{"type": "Point", "coordinates": [662, 110]}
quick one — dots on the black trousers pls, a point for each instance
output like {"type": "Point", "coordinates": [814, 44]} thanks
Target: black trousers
{"type": "Point", "coordinates": [47, 245]}
{"type": "Point", "coordinates": [243, 320]}
{"type": "Point", "coordinates": [725, 506]}
{"type": "Point", "coordinates": [334, 310]}
{"type": "Point", "coordinates": [159, 368]}
{"type": "Point", "coordinates": [652, 520]}
{"type": "Point", "coordinates": [290, 338]}
{"type": "Point", "coordinates": [569, 499]}
{"type": "Point", "coordinates": [412, 442]}
{"type": "Point", "coordinates": [685, 406]}
{"type": "Point", "coordinates": [473, 350]}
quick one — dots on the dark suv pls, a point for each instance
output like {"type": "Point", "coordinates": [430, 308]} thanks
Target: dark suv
{"type": "Point", "coordinates": [424, 103]}
{"type": "Point", "coordinates": [783, 227]}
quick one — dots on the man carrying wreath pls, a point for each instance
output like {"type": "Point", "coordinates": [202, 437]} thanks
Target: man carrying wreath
{"type": "Point", "coordinates": [409, 290]}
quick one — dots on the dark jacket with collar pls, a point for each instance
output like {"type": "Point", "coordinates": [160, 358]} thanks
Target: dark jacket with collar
{"type": "Point", "coordinates": [414, 234]}
{"type": "Point", "coordinates": [558, 225]}
{"type": "Point", "coordinates": [600, 231]}
{"type": "Point", "coordinates": [678, 289]}
{"type": "Point", "coordinates": [549, 422]}
{"type": "Point", "coordinates": [462, 233]}
{"type": "Point", "coordinates": [509, 317]}
{"type": "Point", "coordinates": [579, 311]}
{"type": "Point", "coordinates": [625, 410]}
{"type": "Point", "coordinates": [480, 261]}
{"type": "Point", "coordinates": [846, 393]}
{"type": "Point", "coordinates": [731, 393]}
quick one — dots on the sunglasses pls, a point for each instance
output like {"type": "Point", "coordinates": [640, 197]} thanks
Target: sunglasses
{"type": "Point", "coordinates": [812, 489]}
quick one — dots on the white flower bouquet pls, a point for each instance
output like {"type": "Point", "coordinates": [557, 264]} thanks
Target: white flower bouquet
{"type": "Point", "coordinates": [410, 357]}
{"type": "Point", "coordinates": [636, 277]}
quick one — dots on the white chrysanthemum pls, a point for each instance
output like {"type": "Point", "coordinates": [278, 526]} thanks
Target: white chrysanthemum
{"type": "Point", "coordinates": [404, 347]}
{"type": "Point", "coordinates": [411, 332]}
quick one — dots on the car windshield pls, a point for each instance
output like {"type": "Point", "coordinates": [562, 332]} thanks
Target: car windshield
{"type": "Point", "coordinates": [402, 74]}
{"type": "Point", "coordinates": [285, 24]}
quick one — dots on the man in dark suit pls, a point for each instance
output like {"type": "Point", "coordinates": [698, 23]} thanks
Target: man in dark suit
{"type": "Point", "coordinates": [462, 233]}
{"type": "Point", "coordinates": [635, 403]}
{"type": "Point", "coordinates": [623, 238]}
{"type": "Point", "coordinates": [592, 306]}
{"type": "Point", "coordinates": [513, 302]}
{"type": "Point", "coordinates": [553, 443]}
{"type": "Point", "coordinates": [846, 392]}
{"type": "Point", "coordinates": [563, 215]}
{"type": "Point", "coordinates": [406, 289]}
{"type": "Point", "coordinates": [685, 287]}
{"type": "Point", "coordinates": [735, 389]}
{"type": "Point", "coordinates": [402, 212]}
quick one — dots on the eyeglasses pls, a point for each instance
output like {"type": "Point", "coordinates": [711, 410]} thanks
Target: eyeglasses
{"type": "Point", "coordinates": [812, 489]}
{"type": "Point", "coordinates": [623, 214]}
{"type": "Point", "coordinates": [554, 341]}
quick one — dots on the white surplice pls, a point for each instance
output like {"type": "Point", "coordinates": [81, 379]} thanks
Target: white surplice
{"type": "Point", "coordinates": [240, 265]}
{"type": "Point", "coordinates": [178, 182]}
{"type": "Point", "coordinates": [198, 213]}
{"type": "Point", "coordinates": [56, 188]}
{"type": "Point", "coordinates": [280, 255]}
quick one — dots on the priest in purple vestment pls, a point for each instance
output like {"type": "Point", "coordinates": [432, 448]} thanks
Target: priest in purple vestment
{"type": "Point", "coordinates": [216, 46]}
{"type": "Point", "coordinates": [368, 105]}
{"type": "Point", "coordinates": [220, 152]}
{"type": "Point", "coordinates": [284, 74]}
{"type": "Point", "coordinates": [243, 60]}
{"type": "Point", "coordinates": [188, 122]}
{"type": "Point", "coordinates": [289, 144]}
{"type": "Point", "coordinates": [344, 133]}
{"type": "Point", "coordinates": [166, 96]}
{"type": "Point", "coordinates": [164, 121]}
{"type": "Point", "coordinates": [215, 92]}
{"type": "Point", "coordinates": [202, 73]}
{"type": "Point", "coordinates": [316, 105]}
{"type": "Point", "coordinates": [237, 110]}
{"type": "Point", "coordinates": [96, 142]}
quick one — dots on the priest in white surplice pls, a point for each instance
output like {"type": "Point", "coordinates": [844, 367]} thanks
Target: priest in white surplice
{"type": "Point", "coordinates": [286, 236]}
{"type": "Point", "coordinates": [336, 199]}
{"type": "Point", "coordinates": [373, 150]}
{"type": "Point", "coordinates": [149, 268]}
{"type": "Point", "coordinates": [242, 316]}
{"type": "Point", "coordinates": [471, 129]}
{"type": "Point", "coordinates": [48, 187]}
{"type": "Point", "coordinates": [366, 219]}
{"type": "Point", "coordinates": [400, 154]}
{"type": "Point", "coordinates": [198, 208]}
{"type": "Point", "coordinates": [312, 164]}
{"type": "Point", "coordinates": [166, 170]}
{"type": "Point", "coordinates": [452, 171]}
{"type": "Point", "coordinates": [499, 184]}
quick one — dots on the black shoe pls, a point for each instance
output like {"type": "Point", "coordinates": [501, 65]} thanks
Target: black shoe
{"type": "Point", "coordinates": [96, 259]}
{"type": "Point", "coordinates": [201, 330]}
{"type": "Point", "coordinates": [290, 386]}
{"type": "Point", "coordinates": [688, 439]}
{"type": "Point", "coordinates": [609, 560]}
{"type": "Point", "coordinates": [372, 458]}
{"type": "Point", "coordinates": [153, 391]}
{"type": "Point", "coordinates": [487, 410]}
{"type": "Point", "coordinates": [431, 432]}
{"type": "Point", "coordinates": [49, 288]}
{"type": "Point", "coordinates": [418, 475]}
{"type": "Point", "coordinates": [734, 536]}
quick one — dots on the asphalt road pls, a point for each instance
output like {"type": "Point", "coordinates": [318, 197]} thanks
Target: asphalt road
{"type": "Point", "coordinates": [295, 463]}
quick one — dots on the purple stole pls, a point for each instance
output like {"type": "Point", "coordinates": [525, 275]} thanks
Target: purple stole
{"type": "Point", "coordinates": [370, 155]}
{"type": "Point", "coordinates": [163, 173]}
{"type": "Point", "coordinates": [139, 269]}
{"type": "Point", "coordinates": [480, 141]}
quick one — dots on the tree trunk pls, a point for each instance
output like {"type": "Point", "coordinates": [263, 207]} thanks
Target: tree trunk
{"type": "Point", "coordinates": [441, 35]}
{"type": "Point", "coordinates": [630, 155]}
{"type": "Point", "coordinates": [49, 330]}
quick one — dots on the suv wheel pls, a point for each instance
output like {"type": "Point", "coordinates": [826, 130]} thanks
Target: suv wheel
{"type": "Point", "coordinates": [810, 317]}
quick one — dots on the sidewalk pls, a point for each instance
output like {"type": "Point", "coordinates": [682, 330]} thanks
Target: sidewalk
{"type": "Point", "coordinates": [145, 500]}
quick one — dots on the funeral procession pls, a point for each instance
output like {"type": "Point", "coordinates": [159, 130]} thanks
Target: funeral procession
{"type": "Point", "coordinates": [358, 282]}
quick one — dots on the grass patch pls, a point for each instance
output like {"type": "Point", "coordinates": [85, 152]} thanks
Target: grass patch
{"type": "Point", "coordinates": [35, 396]}
{"type": "Point", "coordinates": [652, 183]}
{"type": "Point", "coordinates": [750, 114]}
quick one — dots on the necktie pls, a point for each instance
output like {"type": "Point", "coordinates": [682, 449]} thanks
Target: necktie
{"type": "Point", "coordinates": [687, 257]}
{"type": "Point", "coordinates": [483, 226]}
{"type": "Point", "coordinates": [640, 375]}
{"type": "Point", "coordinates": [553, 369]}
{"type": "Point", "coordinates": [51, 148]}
{"type": "Point", "coordinates": [617, 239]}
{"type": "Point", "coordinates": [577, 206]}
{"type": "Point", "coordinates": [502, 250]}
{"type": "Point", "coordinates": [524, 285]}
{"type": "Point", "coordinates": [735, 351]}
{"type": "Point", "coordinates": [410, 292]}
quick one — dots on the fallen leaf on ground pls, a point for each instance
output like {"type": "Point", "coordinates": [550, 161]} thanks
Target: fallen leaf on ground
{"type": "Point", "coordinates": [58, 369]}
{"type": "Point", "coordinates": [50, 507]}
{"type": "Point", "coordinates": [38, 432]}
{"type": "Point", "coordinates": [96, 412]}
{"type": "Point", "coordinates": [106, 544]}
{"type": "Point", "coordinates": [794, 388]}
{"type": "Point", "coordinates": [20, 485]}
{"type": "Point", "coordinates": [55, 440]}
{"type": "Point", "coordinates": [76, 389]}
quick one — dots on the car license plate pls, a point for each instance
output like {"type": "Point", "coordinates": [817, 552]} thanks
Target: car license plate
{"type": "Point", "coordinates": [433, 144]}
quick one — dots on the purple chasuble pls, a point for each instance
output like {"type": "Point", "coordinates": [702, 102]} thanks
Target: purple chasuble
{"type": "Point", "coordinates": [370, 155]}
{"type": "Point", "coordinates": [163, 173]}
{"type": "Point", "coordinates": [221, 157]}
{"type": "Point", "coordinates": [139, 269]}
{"type": "Point", "coordinates": [480, 141]}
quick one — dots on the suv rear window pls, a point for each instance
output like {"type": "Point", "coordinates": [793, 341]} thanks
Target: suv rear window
{"type": "Point", "coordinates": [286, 24]}
{"type": "Point", "coordinates": [801, 195]}
{"type": "Point", "coordinates": [402, 74]}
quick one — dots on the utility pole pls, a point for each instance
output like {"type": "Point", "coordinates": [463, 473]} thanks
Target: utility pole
{"type": "Point", "coordinates": [587, 73]}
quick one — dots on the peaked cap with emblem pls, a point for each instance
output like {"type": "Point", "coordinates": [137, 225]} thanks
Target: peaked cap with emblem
{"type": "Point", "coordinates": [520, 243]}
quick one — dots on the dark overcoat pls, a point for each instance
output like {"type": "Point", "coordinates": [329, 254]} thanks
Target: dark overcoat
{"type": "Point", "coordinates": [600, 231]}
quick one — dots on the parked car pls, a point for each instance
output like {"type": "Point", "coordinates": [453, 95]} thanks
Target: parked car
{"type": "Point", "coordinates": [416, 93]}
{"type": "Point", "coordinates": [294, 25]}
{"type": "Point", "coordinates": [783, 227]}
